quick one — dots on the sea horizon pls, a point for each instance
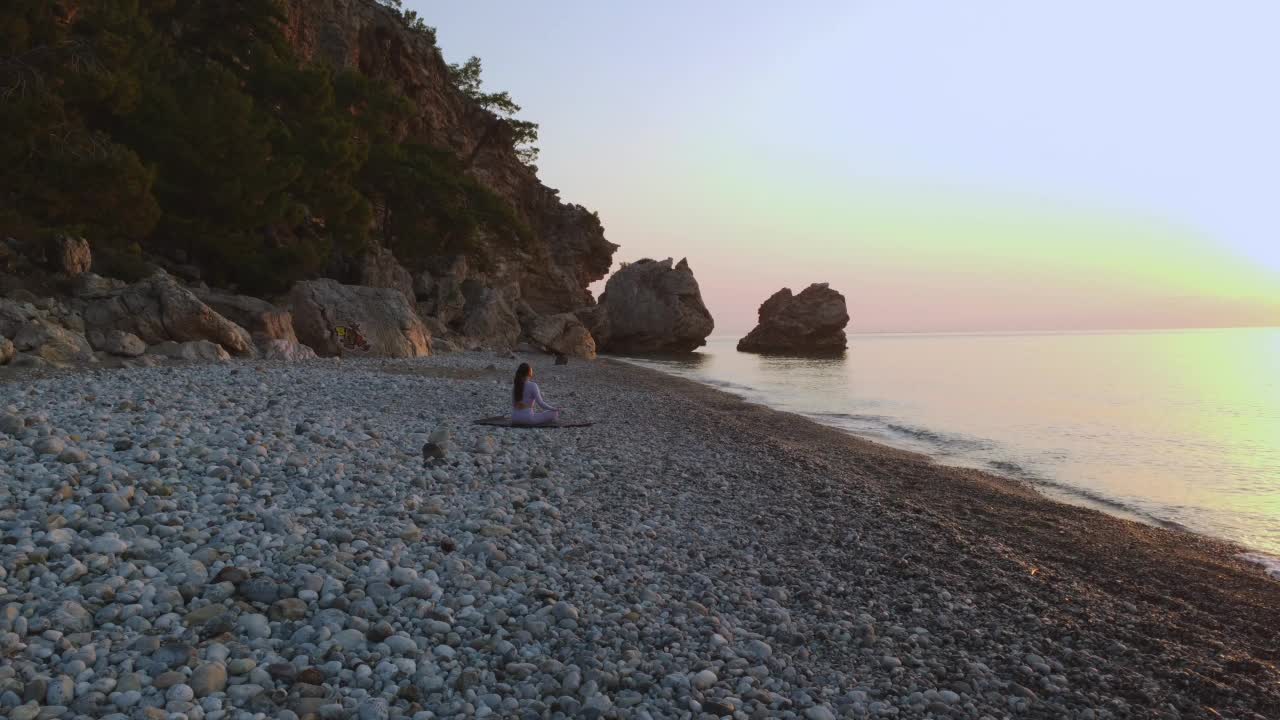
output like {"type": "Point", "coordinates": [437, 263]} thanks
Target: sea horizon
{"type": "Point", "coordinates": [1089, 331]}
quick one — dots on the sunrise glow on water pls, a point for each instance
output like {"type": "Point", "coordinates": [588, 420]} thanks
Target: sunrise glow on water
{"type": "Point", "coordinates": [1178, 428]}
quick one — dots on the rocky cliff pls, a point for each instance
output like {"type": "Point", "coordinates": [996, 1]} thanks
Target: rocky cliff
{"type": "Point", "coordinates": [567, 250]}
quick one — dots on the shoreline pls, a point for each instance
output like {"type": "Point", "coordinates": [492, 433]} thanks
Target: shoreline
{"type": "Point", "coordinates": [690, 553]}
{"type": "Point", "coordinates": [982, 477]}
{"type": "Point", "coordinates": [939, 444]}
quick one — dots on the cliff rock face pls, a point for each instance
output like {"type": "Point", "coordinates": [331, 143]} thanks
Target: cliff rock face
{"type": "Point", "coordinates": [379, 268]}
{"type": "Point", "coordinates": [650, 306]}
{"type": "Point", "coordinates": [490, 318]}
{"type": "Point", "coordinates": [439, 289]}
{"type": "Point", "coordinates": [568, 250]}
{"type": "Point", "coordinates": [811, 322]}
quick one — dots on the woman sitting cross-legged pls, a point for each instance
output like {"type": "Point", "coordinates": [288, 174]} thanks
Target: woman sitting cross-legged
{"type": "Point", "coordinates": [528, 407]}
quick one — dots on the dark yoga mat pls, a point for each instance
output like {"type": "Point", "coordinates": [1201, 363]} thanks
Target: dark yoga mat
{"type": "Point", "coordinates": [505, 421]}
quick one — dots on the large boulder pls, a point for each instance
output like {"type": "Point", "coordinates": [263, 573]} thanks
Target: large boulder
{"type": "Point", "coordinates": [159, 309]}
{"type": "Point", "coordinates": [7, 351]}
{"type": "Point", "coordinates": [55, 344]}
{"type": "Point", "coordinates": [811, 322]}
{"type": "Point", "coordinates": [14, 315]}
{"type": "Point", "coordinates": [562, 334]}
{"type": "Point", "coordinates": [650, 306]}
{"type": "Point", "coordinates": [264, 321]}
{"type": "Point", "coordinates": [336, 319]}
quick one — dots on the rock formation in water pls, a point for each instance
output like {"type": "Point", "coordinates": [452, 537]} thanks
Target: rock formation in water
{"type": "Point", "coordinates": [811, 322]}
{"type": "Point", "coordinates": [650, 306]}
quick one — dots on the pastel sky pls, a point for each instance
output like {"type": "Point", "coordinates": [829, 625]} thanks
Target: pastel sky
{"type": "Point", "coordinates": [986, 165]}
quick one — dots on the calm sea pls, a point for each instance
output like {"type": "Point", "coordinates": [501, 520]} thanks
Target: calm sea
{"type": "Point", "coordinates": [1178, 428]}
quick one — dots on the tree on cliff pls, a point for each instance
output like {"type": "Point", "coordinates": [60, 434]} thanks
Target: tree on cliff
{"type": "Point", "coordinates": [411, 18]}
{"type": "Point", "coordinates": [467, 77]}
{"type": "Point", "coordinates": [191, 131]}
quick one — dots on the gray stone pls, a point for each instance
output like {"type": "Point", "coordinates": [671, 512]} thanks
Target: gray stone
{"type": "Point", "coordinates": [62, 691]}
{"type": "Point", "coordinates": [108, 545]}
{"type": "Point", "coordinates": [71, 617]}
{"type": "Point", "coordinates": [703, 679]}
{"type": "Point", "coordinates": [350, 640]}
{"type": "Point", "coordinates": [49, 446]}
{"type": "Point", "coordinates": [208, 678]}
{"type": "Point", "coordinates": [255, 626]}
{"type": "Point", "coordinates": [72, 455]}
{"type": "Point", "coordinates": [819, 712]}
{"type": "Point", "coordinates": [241, 694]}
{"type": "Point", "coordinates": [12, 424]}
{"type": "Point", "coordinates": [260, 590]}
{"type": "Point", "coordinates": [373, 709]}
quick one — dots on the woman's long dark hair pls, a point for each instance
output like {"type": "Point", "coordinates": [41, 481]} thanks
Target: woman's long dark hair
{"type": "Point", "coordinates": [522, 374]}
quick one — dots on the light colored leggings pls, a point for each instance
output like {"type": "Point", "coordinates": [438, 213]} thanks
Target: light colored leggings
{"type": "Point", "coordinates": [529, 416]}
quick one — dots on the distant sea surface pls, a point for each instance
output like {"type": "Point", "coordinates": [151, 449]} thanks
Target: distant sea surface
{"type": "Point", "coordinates": [1178, 428]}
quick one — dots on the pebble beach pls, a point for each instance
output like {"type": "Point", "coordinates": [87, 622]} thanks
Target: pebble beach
{"type": "Point", "coordinates": [259, 540]}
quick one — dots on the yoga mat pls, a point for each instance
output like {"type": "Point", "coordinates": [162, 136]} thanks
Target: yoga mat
{"type": "Point", "coordinates": [504, 421]}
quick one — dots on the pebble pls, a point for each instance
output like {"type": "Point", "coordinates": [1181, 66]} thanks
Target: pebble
{"type": "Point", "coordinates": [255, 626]}
{"type": "Point", "coordinates": [704, 679]}
{"type": "Point", "coordinates": [260, 590]}
{"type": "Point", "coordinates": [49, 446]}
{"type": "Point", "coordinates": [819, 712]}
{"type": "Point", "coordinates": [208, 678]}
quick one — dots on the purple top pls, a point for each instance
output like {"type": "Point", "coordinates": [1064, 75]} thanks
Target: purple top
{"type": "Point", "coordinates": [533, 395]}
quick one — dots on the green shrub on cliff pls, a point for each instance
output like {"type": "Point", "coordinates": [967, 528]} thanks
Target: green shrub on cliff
{"type": "Point", "coordinates": [411, 19]}
{"type": "Point", "coordinates": [467, 77]}
{"type": "Point", "coordinates": [191, 129]}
